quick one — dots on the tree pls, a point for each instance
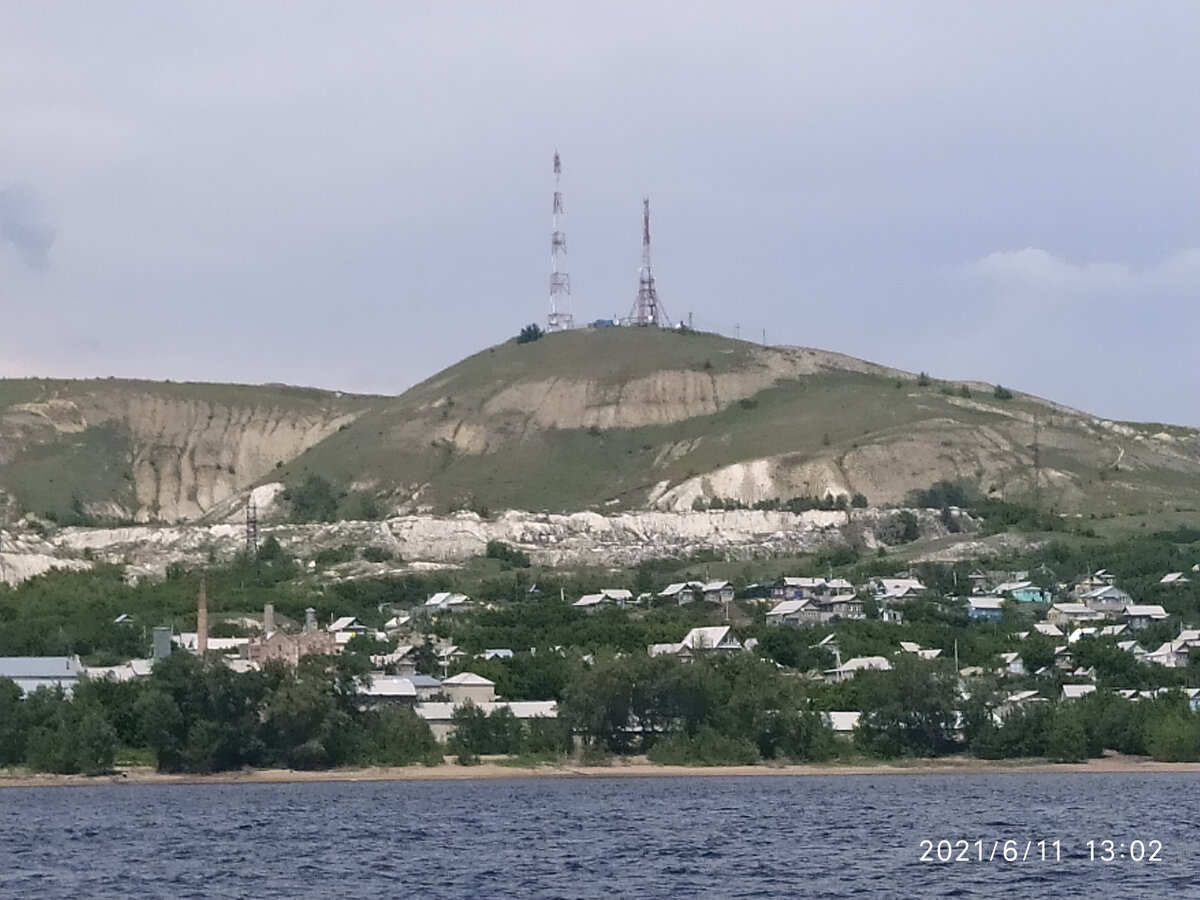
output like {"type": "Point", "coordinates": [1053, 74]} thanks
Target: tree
{"type": "Point", "coordinates": [909, 710]}
{"type": "Point", "coordinates": [531, 332]}
{"type": "Point", "coordinates": [313, 500]}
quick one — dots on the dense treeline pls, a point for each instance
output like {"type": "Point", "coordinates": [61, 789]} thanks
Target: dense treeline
{"type": "Point", "coordinates": [736, 709]}
{"type": "Point", "coordinates": [196, 715]}
{"type": "Point", "coordinates": [915, 711]}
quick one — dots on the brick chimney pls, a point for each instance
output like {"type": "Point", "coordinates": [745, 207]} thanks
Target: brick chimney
{"type": "Point", "coordinates": [202, 620]}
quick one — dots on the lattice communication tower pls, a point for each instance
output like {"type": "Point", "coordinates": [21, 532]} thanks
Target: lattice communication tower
{"type": "Point", "coordinates": [560, 318]}
{"type": "Point", "coordinates": [646, 309]}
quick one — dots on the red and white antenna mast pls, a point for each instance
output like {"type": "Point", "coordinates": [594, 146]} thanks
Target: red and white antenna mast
{"type": "Point", "coordinates": [560, 318]}
{"type": "Point", "coordinates": [646, 309]}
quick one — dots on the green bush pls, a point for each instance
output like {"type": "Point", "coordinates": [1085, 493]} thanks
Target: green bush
{"type": "Point", "coordinates": [708, 747]}
{"type": "Point", "coordinates": [1175, 737]}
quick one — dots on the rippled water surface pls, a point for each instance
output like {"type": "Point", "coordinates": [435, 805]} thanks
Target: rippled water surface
{"type": "Point", "coordinates": [837, 836]}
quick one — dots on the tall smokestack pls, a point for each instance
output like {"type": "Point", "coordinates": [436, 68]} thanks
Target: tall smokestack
{"type": "Point", "coordinates": [310, 620]}
{"type": "Point", "coordinates": [202, 619]}
{"type": "Point", "coordinates": [268, 619]}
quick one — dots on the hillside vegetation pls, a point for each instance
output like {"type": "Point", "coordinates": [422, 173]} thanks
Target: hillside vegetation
{"type": "Point", "coordinates": [600, 419]}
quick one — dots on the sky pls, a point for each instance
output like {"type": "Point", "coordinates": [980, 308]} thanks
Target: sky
{"type": "Point", "coordinates": [354, 195]}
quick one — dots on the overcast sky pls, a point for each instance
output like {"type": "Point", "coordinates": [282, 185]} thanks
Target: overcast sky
{"type": "Point", "coordinates": [355, 195]}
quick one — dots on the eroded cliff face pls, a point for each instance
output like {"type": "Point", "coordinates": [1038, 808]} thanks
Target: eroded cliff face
{"type": "Point", "coordinates": [181, 456]}
{"type": "Point", "coordinates": [191, 456]}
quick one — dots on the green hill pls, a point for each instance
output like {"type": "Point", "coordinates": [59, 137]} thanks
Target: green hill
{"type": "Point", "coordinates": [599, 419]}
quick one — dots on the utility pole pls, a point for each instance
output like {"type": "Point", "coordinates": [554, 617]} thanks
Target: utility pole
{"type": "Point", "coordinates": [1037, 468]}
{"type": "Point", "coordinates": [560, 318]}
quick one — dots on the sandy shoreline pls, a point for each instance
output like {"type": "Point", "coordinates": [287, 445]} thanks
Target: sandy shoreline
{"type": "Point", "coordinates": [635, 767]}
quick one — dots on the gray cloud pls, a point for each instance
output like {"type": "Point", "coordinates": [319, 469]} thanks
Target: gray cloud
{"type": "Point", "coordinates": [22, 225]}
{"type": "Point", "coordinates": [355, 195]}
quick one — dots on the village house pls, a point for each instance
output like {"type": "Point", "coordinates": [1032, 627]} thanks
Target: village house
{"type": "Point", "coordinates": [681, 592]}
{"type": "Point", "coordinates": [1071, 613]}
{"type": "Point", "coordinates": [717, 639]}
{"type": "Point", "coordinates": [1140, 616]}
{"type": "Point", "coordinates": [859, 664]}
{"type": "Point", "coordinates": [985, 609]}
{"type": "Point", "coordinates": [896, 590]}
{"type": "Point", "coordinates": [33, 672]}
{"type": "Point", "coordinates": [1109, 600]}
{"type": "Point", "coordinates": [274, 643]}
{"type": "Point", "coordinates": [1175, 654]}
{"type": "Point", "coordinates": [1076, 691]}
{"type": "Point", "coordinates": [795, 613]}
{"type": "Point", "coordinates": [618, 597]}
{"type": "Point", "coordinates": [798, 588]}
{"type": "Point", "coordinates": [843, 606]}
{"type": "Point", "coordinates": [440, 715]}
{"type": "Point", "coordinates": [1015, 700]}
{"type": "Point", "coordinates": [1174, 578]}
{"type": "Point", "coordinates": [1012, 664]}
{"type": "Point", "coordinates": [387, 690]}
{"type": "Point", "coordinates": [1101, 578]}
{"type": "Point", "coordinates": [718, 592]}
{"type": "Point", "coordinates": [467, 686]}
{"type": "Point", "coordinates": [1023, 592]}
{"type": "Point", "coordinates": [917, 650]}
{"type": "Point", "coordinates": [447, 602]}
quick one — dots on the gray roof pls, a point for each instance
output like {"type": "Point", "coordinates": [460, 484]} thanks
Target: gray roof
{"type": "Point", "coordinates": [49, 667]}
{"type": "Point", "coordinates": [33, 672]}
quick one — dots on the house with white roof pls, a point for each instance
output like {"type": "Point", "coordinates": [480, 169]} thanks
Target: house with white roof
{"type": "Point", "coordinates": [467, 686]}
{"type": "Point", "coordinates": [798, 588]}
{"type": "Point", "coordinates": [607, 597]}
{"type": "Point", "coordinates": [190, 641]}
{"type": "Point", "coordinates": [1139, 616]}
{"type": "Point", "coordinates": [1175, 654]}
{"type": "Point", "coordinates": [1076, 691]}
{"type": "Point", "coordinates": [1048, 628]}
{"type": "Point", "coordinates": [985, 609]}
{"type": "Point", "coordinates": [700, 641]}
{"type": "Point", "coordinates": [917, 650]}
{"type": "Point", "coordinates": [852, 667]}
{"type": "Point", "coordinates": [1109, 600]}
{"type": "Point", "coordinates": [448, 602]}
{"type": "Point", "coordinates": [1072, 613]}
{"type": "Point", "coordinates": [890, 590]}
{"type": "Point", "coordinates": [1101, 578]}
{"type": "Point", "coordinates": [440, 715]}
{"type": "Point", "coordinates": [33, 672]}
{"type": "Point", "coordinates": [797, 612]}
{"type": "Point", "coordinates": [718, 592]}
{"type": "Point", "coordinates": [1012, 664]}
{"type": "Point", "coordinates": [1174, 578]}
{"type": "Point", "coordinates": [388, 690]}
{"type": "Point", "coordinates": [682, 592]}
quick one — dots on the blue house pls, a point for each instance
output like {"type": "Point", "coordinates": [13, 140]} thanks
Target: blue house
{"type": "Point", "coordinates": [984, 609]}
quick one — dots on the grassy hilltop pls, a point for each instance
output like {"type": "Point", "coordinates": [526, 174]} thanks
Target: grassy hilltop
{"type": "Point", "coordinates": [604, 419]}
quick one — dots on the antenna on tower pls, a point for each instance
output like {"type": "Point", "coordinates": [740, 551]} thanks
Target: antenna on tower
{"type": "Point", "coordinates": [646, 309]}
{"type": "Point", "coordinates": [560, 318]}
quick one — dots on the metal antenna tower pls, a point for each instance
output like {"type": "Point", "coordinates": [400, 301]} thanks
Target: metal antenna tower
{"type": "Point", "coordinates": [251, 528]}
{"type": "Point", "coordinates": [646, 309]}
{"type": "Point", "coordinates": [560, 318]}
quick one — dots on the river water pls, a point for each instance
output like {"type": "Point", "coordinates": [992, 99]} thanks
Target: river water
{"type": "Point", "coordinates": [711, 837]}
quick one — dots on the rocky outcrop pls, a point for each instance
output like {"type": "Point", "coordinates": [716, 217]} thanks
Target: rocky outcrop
{"type": "Point", "coordinates": [551, 540]}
